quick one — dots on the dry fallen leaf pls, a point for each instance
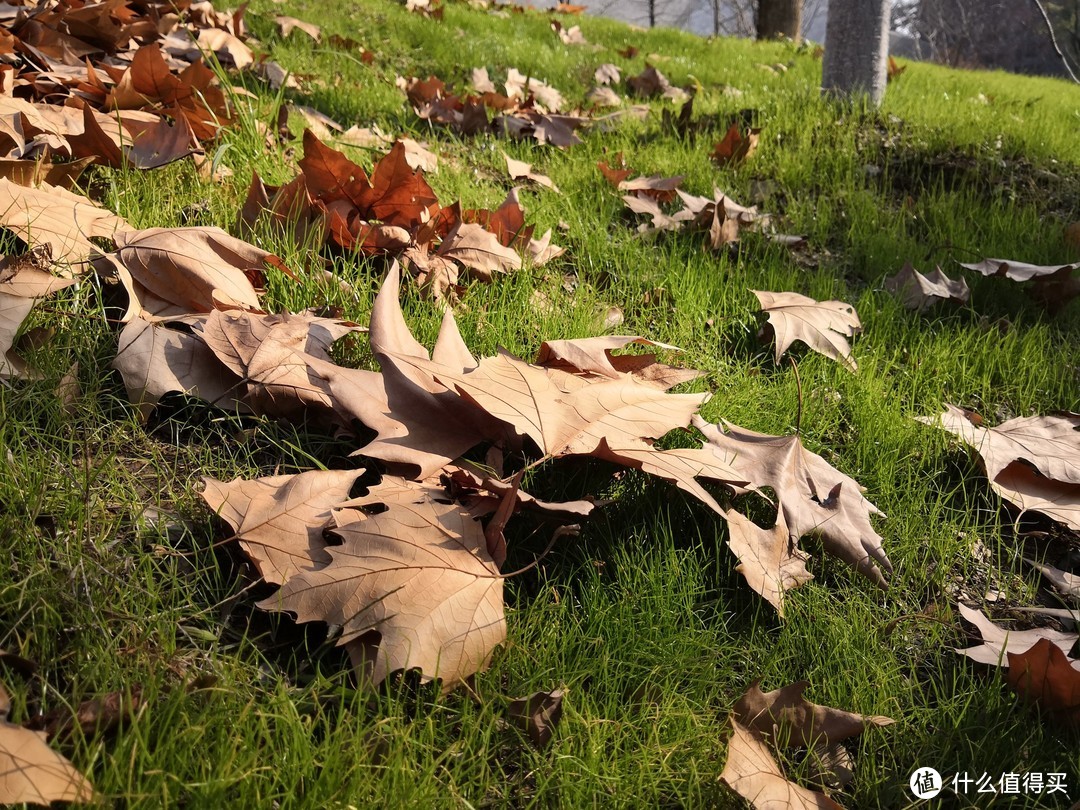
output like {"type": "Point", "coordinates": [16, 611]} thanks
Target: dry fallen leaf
{"type": "Point", "coordinates": [999, 645]}
{"type": "Point", "coordinates": [736, 146]}
{"type": "Point", "coordinates": [413, 584]}
{"type": "Point", "coordinates": [824, 326]}
{"type": "Point", "coordinates": [607, 73]}
{"type": "Point", "coordinates": [33, 773]}
{"type": "Point", "coordinates": [286, 25]}
{"type": "Point", "coordinates": [56, 217]}
{"type": "Point", "coordinates": [752, 772]}
{"type": "Point", "coordinates": [815, 498]}
{"type": "Point", "coordinates": [520, 170]}
{"type": "Point", "coordinates": [595, 357]}
{"type": "Point", "coordinates": [22, 280]}
{"type": "Point", "coordinates": [920, 292]}
{"type": "Point", "coordinates": [1043, 674]}
{"type": "Point", "coordinates": [1018, 271]}
{"type": "Point", "coordinates": [178, 271]}
{"type": "Point", "coordinates": [537, 715]}
{"type": "Point", "coordinates": [1068, 584]}
{"type": "Point", "coordinates": [279, 520]}
{"type": "Point", "coordinates": [792, 721]}
{"type": "Point", "coordinates": [1032, 462]}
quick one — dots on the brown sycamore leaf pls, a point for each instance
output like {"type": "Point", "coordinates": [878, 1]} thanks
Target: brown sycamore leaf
{"type": "Point", "coordinates": [537, 715]}
{"type": "Point", "coordinates": [55, 217]}
{"type": "Point", "coordinates": [1018, 271]}
{"type": "Point", "coordinates": [279, 520]}
{"type": "Point", "coordinates": [286, 25]}
{"type": "Point", "coordinates": [594, 357]}
{"type": "Point", "coordinates": [999, 645]}
{"type": "Point", "coordinates": [565, 414]}
{"type": "Point", "coordinates": [752, 772]}
{"type": "Point", "coordinates": [1044, 675]}
{"type": "Point", "coordinates": [920, 292]}
{"type": "Point", "coordinates": [428, 424]}
{"type": "Point", "coordinates": [650, 82]}
{"type": "Point", "coordinates": [1032, 461]}
{"type": "Point", "coordinates": [824, 326]}
{"type": "Point", "coordinates": [155, 360]}
{"type": "Point", "coordinates": [520, 170]}
{"type": "Point", "coordinates": [22, 280]}
{"type": "Point", "coordinates": [418, 156]}
{"type": "Point", "coordinates": [479, 250]}
{"type": "Point", "coordinates": [769, 560]}
{"type": "Point", "coordinates": [33, 773]}
{"type": "Point", "coordinates": [178, 271]}
{"type": "Point", "coordinates": [736, 146]}
{"type": "Point", "coordinates": [660, 220]}
{"type": "Point", "coordinates": [607, 73]}
{"type": "Point", "coordinates": [659, 188]}
{"type": "Point", "coordinates": [815, 498]}
{"type": "Point", "coordinates": [603, 97]}
{"type": "Point", "coordinates": [417, 577]}
{"type": "Point", "coordinates": [794, 722]}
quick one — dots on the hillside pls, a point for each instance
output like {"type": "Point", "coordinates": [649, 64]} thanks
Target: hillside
{"type": "Point", "coordinates": [123, 582]}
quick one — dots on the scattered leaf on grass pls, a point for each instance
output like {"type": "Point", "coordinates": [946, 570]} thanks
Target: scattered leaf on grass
{"type": "Point", "coordinates": [815, 498]}
{"type": "Point", "coordinates": [537, 715]}
{"type": "Point", "coordinates": [919, 292]}
{"type": "Point", "coordinates": [998, 645]}
{"type": "Point", "coordinates": [32, 772]}
{"type": "Point", "coordinates": [736, 146]}
{"type": "Point", "coordinates": [520, 170]}
{"type": "Point", "coordinates": [414, 583]}
{"type": "Point", "coordinates": [1044, 675]}
{"type": "Point", "coordinates": [824, 326]}
{"type": "Point", "coordinates": [1032, 461]}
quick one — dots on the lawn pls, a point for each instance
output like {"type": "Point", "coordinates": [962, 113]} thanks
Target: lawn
{"type": "Point", "coordinates": [119, 579]}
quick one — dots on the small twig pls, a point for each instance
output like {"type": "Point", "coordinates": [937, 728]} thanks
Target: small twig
{"type": "Point", "coordinates": [561, 531]}
{"type": "Point", "coordinates": [798, 383]}
{"type": "Point", "coordinates": [1053, 40]}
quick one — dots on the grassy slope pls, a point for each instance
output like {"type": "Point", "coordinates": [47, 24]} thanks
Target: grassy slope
{"type": "Point", "coordinates": [643, 617]}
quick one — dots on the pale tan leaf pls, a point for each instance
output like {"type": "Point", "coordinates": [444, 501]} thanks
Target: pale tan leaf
{"type": "Point", "coordinates": [33, 773]}
{"type": "Point", "coordinates": [752, 772]}
{"type": "Point", "coordinates": [1032, 461]}
{"type": "Point", "coordinates": [603, 97]}
{"type": "Point", "coordinates": [1066, 583]}
{"type": "Point", "coordinates": [155, 360]}
{"type": "Point", "coordinates": [769, 561]}
{"type": "Point", "coordinates": [1022, 485]}
{"type": "Point", "coordinates": [660, 220]}
{"type": "Point", "coordinates": [1049, 443]}
{"type": "Point", "coordinates": [55, 217]}
{"type": "Point", "coordinates": [418, 156]}
{"type": "Point", "coordinates": [824, 326]}
{"type": "Point", "coordinates": [419, 575]}
{"type": "Point", "coordinates": [286, 25]}
{"type": "Point", "coordinates": [429, 424]}
{"type": "Point", "coordinates": [479, 250]}
{"type": "Point", "coordinates": [1017, 271]}
{"type": "Point", "coordinates": [595, 357]}
{"type": "Point", "coordinates": [13, 311]}
{"type": "Point", "coordinates": [607, 73]}
{"type": "Point", "coordinates": [998, 643]}
{"type": "Point", "coordinates": [520, 170]}
{"type": "Point", "coordinates": [565, 414]}
{"type": "Point", "coordinates": [188, 270]}
{"type": "Point", "coordinates": [279, 520]}
{"type": "Point", "coordinates": [815, 497]}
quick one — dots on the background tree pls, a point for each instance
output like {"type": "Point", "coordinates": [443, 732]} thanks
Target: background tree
{"type": "Point", "coordinates": [856, 48]}
{"type": "Point", "coordinates": [779, 18]}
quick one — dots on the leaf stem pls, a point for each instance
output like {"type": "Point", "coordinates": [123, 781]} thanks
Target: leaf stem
{"type": "Point", "coordinates": [798, 383]}
{"type": "Point", "coordinates": [561, 531]}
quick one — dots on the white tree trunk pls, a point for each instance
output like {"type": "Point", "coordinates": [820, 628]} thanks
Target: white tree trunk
{"type": "Point", "coordinates": [856, 48]}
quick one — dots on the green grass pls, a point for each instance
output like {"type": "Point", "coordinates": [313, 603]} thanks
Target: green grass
{"type": "Point", "coordinates": [643, 617]}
